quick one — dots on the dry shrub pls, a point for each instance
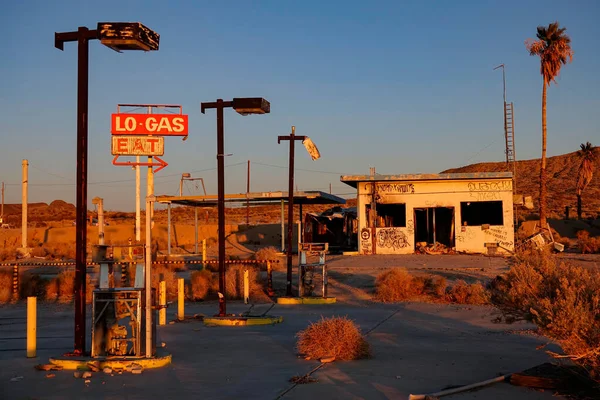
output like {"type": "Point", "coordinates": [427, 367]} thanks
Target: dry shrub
{"type": "Point", "coordinates": [269, 253]}
{"type": "Point", "coordinates": [337, 337]}
{"type": "Point", "coordinates": [561, 298]}
{"type": "Point", "coordinates": [5, 286]}
{"type": "Point", "coordinates": [162, 272]}
{"type": "Point", "coordinates": [61, 288]}
{"type": "Point", "coordinates": [39, 251]}
{"type": "Point", "coordinates": [234, 279]}
{"type": "Point", "coordinates": [463, 293]}
{"type": "Point", "coordinates": [201, 284]}
{"type": "Point", "coordinates": [588, 244]}
{"type": "Point", "coordinates": [436, 286]}
{"type": "Point", "coordinates": [8, 254]}
{"type": "Point", "coordinates": [397, 285]}
{"type": "Point", "coordinates": [61, 251]}
{"type": "Point", "coordinates": [31, 284]}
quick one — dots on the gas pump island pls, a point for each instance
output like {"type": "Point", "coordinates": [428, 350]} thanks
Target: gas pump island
{"type": "Point", "coordinates": [123, 325]}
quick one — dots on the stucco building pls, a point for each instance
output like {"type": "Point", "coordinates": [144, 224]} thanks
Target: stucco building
{"type": "Point", "coordinates": [470, 213]}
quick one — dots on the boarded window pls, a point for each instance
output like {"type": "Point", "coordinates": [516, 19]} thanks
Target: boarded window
{"type": "Point", "coordinates": [391, 215]}
{"type": "Point", "coordinates": [476, 213]}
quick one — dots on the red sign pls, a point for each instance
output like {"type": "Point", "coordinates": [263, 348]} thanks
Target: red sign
{"type": "Point", "coordinates": [149, 124]}
{"type": "Point", "coordinates": [138, 146]}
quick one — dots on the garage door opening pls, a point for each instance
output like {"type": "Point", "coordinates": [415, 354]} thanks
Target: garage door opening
{"type": "Point", "coordinates": [435, 225]}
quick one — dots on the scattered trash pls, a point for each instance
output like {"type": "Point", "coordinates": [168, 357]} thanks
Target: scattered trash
{"type": "Point", "coordinates": [94, 366]}
{"type": "Point", "coordinates": [48, 367]}
{"type": "Point", "coordinates": [436, 248]}
{"type": "Point", "coordinates": [16, 379]}
{"type": "Point", "coordinates": [327, 359]}
{"type": "Point", "coordinates": [301, 380]}
{"type": "Point", "coordinates": [50, 375]}
{"type": "Point", "coordinates": [87, 381]}
{"type": "Point", "coordinates": [77, 374]}
{"type": "Point", "coordinates": [398, 377]}
{"type": "Point", "coordinates": [163, 344]}
{"type": "Point", "coordinates": [107, 370]}
{"type": "Point", "coordinates": [86, 375]}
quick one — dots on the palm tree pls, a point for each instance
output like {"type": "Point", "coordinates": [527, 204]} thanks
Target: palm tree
{"type": "Point", "coordinates": [587, 156]}
{"type": "Point", "coordinates": [553, 47]}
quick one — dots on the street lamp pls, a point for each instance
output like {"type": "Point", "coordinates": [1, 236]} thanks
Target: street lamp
{"type": "Point", "coordinates": [118, 36]}
{"type": "Point", "coordinates": [243, 106]}
{"type": "Point", "coordinates": [314, 154]}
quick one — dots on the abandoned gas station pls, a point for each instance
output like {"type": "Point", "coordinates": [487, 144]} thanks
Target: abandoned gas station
{"type": "Point", "coordinates": [400, 214]}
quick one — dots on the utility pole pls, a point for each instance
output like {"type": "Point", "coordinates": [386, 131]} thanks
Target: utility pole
{"type": "Point", "coordinates": [2, 210]}
{"type": "Point", "coordinates": [290, 225]}
{"type": "Point", "coordinates": [247, 198]}
{"type": "Point", "coordinates": [25, 165]}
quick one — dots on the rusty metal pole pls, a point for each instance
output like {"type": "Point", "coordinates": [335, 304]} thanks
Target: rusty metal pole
{"type": "Point", "coordinates": [290, 227]}
{"type": "Point", "coordinates": [82, 173]}
{"type": "Point", "coordinates": [221, 206]}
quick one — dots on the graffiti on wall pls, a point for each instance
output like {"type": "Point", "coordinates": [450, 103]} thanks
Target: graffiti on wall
{"type": "Point", "coordinates": [500, 235]}
{"type": "Point", "coordinates": [366, 243]}
{"type": "Point", "coordinates": [483, 196]}
{"type": "Point", "coordinates": [392, 238]}
{"type": "Point", "coordinates": [395, 188]}
{"type": "Point", "coordinates": [490, 186]}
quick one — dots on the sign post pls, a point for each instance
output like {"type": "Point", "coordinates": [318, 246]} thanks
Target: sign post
{"type": "Point", "coordinates": [143, 135]}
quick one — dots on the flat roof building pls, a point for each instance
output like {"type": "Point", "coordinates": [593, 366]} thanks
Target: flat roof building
{"type": "Point", "coordinates": [401, 214]}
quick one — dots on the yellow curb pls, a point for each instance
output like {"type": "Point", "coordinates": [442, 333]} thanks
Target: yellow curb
{"type": "Point", "coordinates": [241, 321]}
{"type": "Point", "coordinates": [69, 363]}
{"type": "Point", "coordinates": [306, 300]}
{"type": "Point", "coordinates": [318, 300]}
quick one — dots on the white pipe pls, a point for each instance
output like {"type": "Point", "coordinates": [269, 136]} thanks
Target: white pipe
{"type": "Point", "coordinates": [25, 165]}
{"type": "Point", "coordinates": [138, 222]}
{"type": "Point", "coordinates": [459, 389]}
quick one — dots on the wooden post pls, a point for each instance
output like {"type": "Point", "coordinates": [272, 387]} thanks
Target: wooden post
{"type": "Point", "coordinates": [162, 314]}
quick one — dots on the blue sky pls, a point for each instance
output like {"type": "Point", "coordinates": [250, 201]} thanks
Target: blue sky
{"type": "Point", "coordinates": [404, 86]}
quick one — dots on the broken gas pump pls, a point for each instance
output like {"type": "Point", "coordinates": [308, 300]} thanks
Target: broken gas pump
{"type": "Point", "coordinates": [118, 313]}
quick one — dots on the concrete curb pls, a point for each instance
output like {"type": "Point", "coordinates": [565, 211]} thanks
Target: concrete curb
{"type": "Point", "coordinates": [306, 300]}
{"type": "Point", "coordinates": [241, 321]}
{"type": "Point", "coordinates": [74, 363]}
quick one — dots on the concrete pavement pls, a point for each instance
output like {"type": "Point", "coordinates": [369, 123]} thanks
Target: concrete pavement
{"type": "Point", "coordinates": [418, 348]}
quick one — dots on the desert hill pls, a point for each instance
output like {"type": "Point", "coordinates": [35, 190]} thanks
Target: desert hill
{"type": "Point", "coordinates": [562, 180]}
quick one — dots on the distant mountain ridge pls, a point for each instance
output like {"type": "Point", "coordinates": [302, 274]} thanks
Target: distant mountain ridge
{"type": "Point", "coordinates": [562, 181]}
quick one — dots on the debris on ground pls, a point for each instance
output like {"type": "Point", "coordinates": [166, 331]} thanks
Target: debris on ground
{"type": "Point", "coordinates": [301, 380]}
{"type": "Point", "coordinates": [571, 381]}
{"type": "Point", "coordinates": [94, 366]}
{"type": "Point", "coordinates": [107, 370]}
{"type": "Point", "coordinates": [86, 375]}
{"type": "Point", "coordinates": [48, 367]}
{"type": "Point", "coordinates": [435, 248]}
{"type": "Point", "coordinates": [16, 378]}
{"type": "Point", "coordinates": [87, 381]}
{"type": "Point", "coordinates": [327, 359]}
{"type": "Point", "coordinates": [50, 375]}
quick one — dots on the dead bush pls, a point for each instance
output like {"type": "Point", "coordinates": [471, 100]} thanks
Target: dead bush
{"type": "Point", "coordinates": [31, 284]}
{"type": "Point", "coordinates": [8, 254]}
{"type": "Point", "coordinates": [463, 293]}
{"type": "Point", "coordinates": [5, 286]}
{"type": "Point", "coordinates": [588, 244]}
{"type": "Point", "coordinates": [436, 286]}
{"type": "Point", "coordinates": [234, 279]}
{"type": "Point", "coordinates": [61, 288]}
{"type": "Point", "coordinates": [337, 337]}
{"type": "Point", "coordinates": [397, 285]}
{"type": "Point", "coordinates": [562, 299]}
{"type": "Point", "coordinates": [162, 272]}
{"type": "Point", "coordinates": [269, 253]}
{"type": "Point", "coordinates": [201, 284]}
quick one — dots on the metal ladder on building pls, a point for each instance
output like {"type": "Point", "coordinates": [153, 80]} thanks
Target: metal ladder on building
{"type": "Point", "coordinates": [509, 124]}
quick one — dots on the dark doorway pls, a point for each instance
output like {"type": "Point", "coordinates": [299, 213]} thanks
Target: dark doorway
{"type": "Point", "coordinates": [435, 225]}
